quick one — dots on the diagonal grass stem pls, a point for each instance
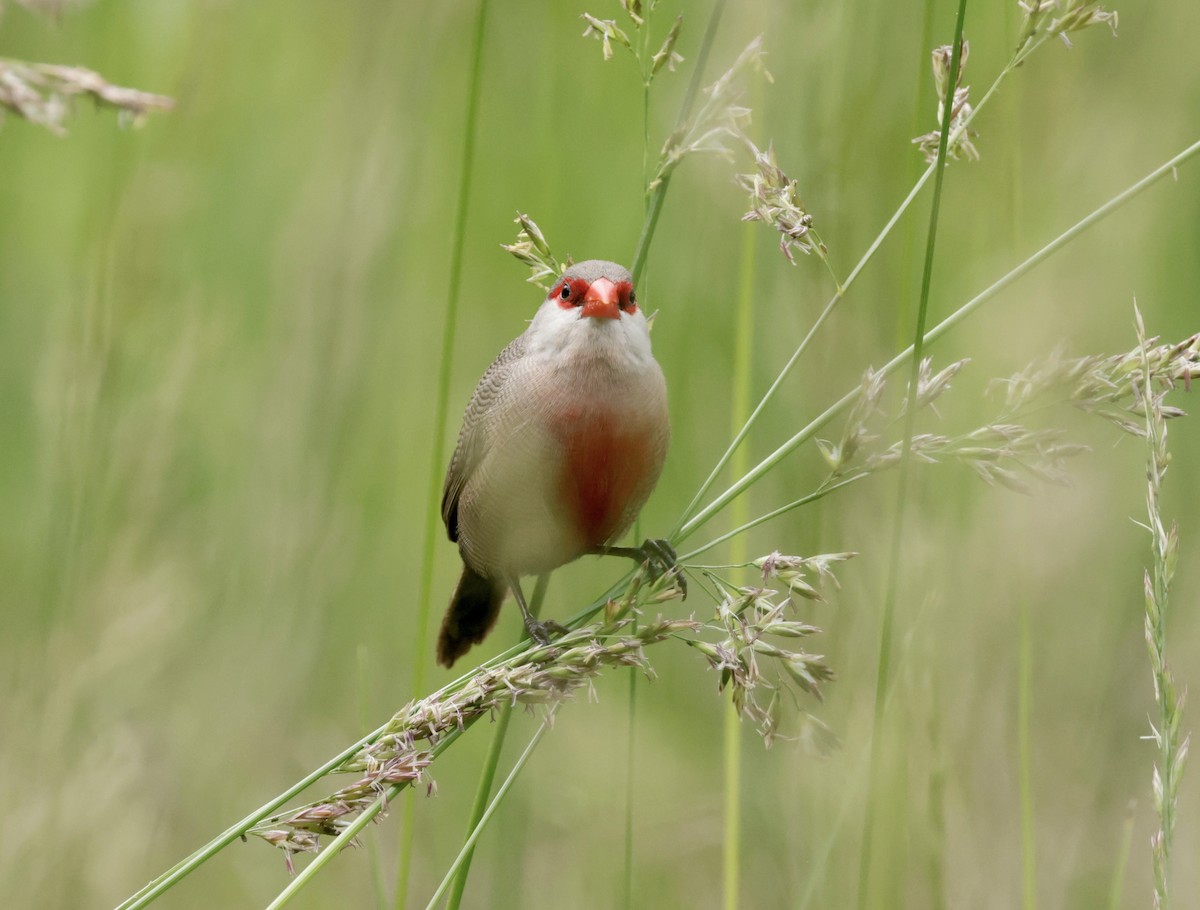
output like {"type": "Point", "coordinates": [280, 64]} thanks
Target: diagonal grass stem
{"type": "Point", "coordinates": [814, 426]}
{"type": "Point", "coordinates": [464, 855]}
{"type": "Point", "coordinates": [440, 418]}
{"type": "Point", "coordinates": [884, 664]}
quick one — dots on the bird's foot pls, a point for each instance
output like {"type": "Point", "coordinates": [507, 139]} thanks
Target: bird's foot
{"type": "Point", "coordinates": [660, 558]}
{"type": "Point", "coordinates": [657, 554]}
{"type": "Point", "coordinates": [542, 631]}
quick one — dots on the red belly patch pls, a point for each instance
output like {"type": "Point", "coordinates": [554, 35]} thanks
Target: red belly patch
{"type": "Point", "coordinates": [604, 472]}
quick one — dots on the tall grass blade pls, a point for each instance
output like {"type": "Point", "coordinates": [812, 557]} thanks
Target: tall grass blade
{"type": "Point", "coordinates": [462, 865]}
{"type": "Point", "coordinates": [883, 670]}
{"type": "Point", "coordinates": [464, 856]}
{"type": "Point", "coordinates": [816, 424]}
{"type": "Point", "coordinates": [440, 418]}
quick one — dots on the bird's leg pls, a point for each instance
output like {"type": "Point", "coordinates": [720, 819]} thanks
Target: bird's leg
{"type": "Point", "coordinates": [539, 631]}
{"type": "Point", "coordinates": [656, 552]}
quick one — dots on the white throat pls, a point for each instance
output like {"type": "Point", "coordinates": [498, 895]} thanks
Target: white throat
{"type": "Point", "coordinates": [557, 335]}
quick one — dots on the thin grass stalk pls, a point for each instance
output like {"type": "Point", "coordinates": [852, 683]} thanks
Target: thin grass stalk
{"type": "Point", "coordinates": [654, 209]}
{"type": "Point", "coordinates": [347, 837]}
{"type": "Point", "coordinates": [812, 497]}
{"type": "Point", "coordinates": [883, 668]}
{"type": "Point", "coordinates": [462, 864]}
{"type": "Point", "coordinates": [922, 103]}
{"type": "Point", "coordinates": [155, 889]}
{"type": "Point", "coordinates": [441, 417]}
{"type": "Point", "coordinates": [631, 713]}
{"type": "Point", "coordinates": [684, 525]}
{"type": "Point", "coordinates": [1025, 759]}
{"type": "Point", "coordinates": [1024, 632]}
{"type": "Point", "coordinates": [464, 855]}
{"type": "Point", "coordinates": [381, 900]}
{"type": "Point", "coordinates": [172, 876]}
{"type": "Point", "coordinates": [743, 347]}
{"type": "Point", "coordinates": [1117, 886]}
{"type": "Point", "coordinates": [461, 867]}
{"type": "Point", "coordinates": [763, 467]}
{"type": "Point", "coordinates": [937, 799]}
{"type": "Point", "coordinates": [1172, 753]}
{"type": "Point", "coordinates": [630, 766]}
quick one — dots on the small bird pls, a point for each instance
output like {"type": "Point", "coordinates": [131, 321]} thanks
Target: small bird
{"type": "Point", "coordinates": [561, 445]}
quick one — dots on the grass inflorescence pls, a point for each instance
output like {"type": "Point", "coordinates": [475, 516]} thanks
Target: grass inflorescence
{"type": "Point", "coordinates": [757, 639]}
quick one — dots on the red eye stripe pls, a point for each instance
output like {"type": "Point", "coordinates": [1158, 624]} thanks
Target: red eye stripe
{"type": "Point", "coordinates": [576, 289]}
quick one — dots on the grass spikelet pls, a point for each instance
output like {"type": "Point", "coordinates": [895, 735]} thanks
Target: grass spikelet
{"type": "Point", "coordinates": [1150, 389]}
{"type": "Point", "coordinates": [45, 93]}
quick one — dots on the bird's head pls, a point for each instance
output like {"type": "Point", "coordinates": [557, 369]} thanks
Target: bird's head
{"type": "Point", "coordinates": [592, 309]}
{"type": "Point", "coordinates": [596, 290]}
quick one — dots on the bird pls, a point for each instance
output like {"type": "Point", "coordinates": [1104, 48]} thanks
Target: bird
{"type": "Point", "coordinates": [561, 445]}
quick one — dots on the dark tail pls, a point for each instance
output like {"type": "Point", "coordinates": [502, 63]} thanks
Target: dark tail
{"type": "Point", "coordinates": [473, 611]}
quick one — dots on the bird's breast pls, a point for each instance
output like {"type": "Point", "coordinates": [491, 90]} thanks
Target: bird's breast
{"type": "Point", "coordinates": [611, 459]}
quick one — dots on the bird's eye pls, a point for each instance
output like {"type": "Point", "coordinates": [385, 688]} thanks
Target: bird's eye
{"type": "Point", "coordinates": [566, 292]}
{"type": "Point", "coordinates": [632, 297]}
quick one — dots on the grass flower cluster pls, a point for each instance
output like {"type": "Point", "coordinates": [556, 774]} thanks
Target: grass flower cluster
{"type": "Point", "coordinates": [45, 94]}
{"type": "Point", "coordinates": [738, 643]}
{"type": "Point", "coordinates": [757, 642]}
{"type": "Point", "coordinates": [960, 111]}
{"type": "Point", "coordinates": [1150, 386]}
{"type": "Point", "coordinates": [775, 200]}
{"type": "Point", "coordinates": [532, 251]}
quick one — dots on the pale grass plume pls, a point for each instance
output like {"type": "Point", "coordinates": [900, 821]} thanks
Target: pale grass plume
{"type": "Point", "coordinates": [754, 656]}
{"type": "Point", "coordinates": [959, 144]}
{"type": "Point", "coordinates": [606, 31]}
{"type": "Point", "coordinates": [1111, 386]}
{"type": "Point", "coordinates": [45, 94]}
{"type": "Point", "coordinates": [719, 124]}
{"type": "Point", "coordinates": [611, 35]}
{"type": "Point", "coordinates": [532, 251]}
{"type": "Point", "coordinates": [544, 676]}
{"type": "Point", "coordinates": [1059, 19]}
{"type": "Point", "coordinates": [1002, 451]}
{"type": "Point", "coordinates": [1149, 387]}
{"type": "Point", "coordinates": [775, 201]}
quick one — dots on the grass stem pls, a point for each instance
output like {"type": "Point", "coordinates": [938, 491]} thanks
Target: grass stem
{"type": "Point", "coordinates": [462, 864]}
{"type": "Point", "coordinates": [464, 855]}
{"type": "Point", "coordinates": [347, 836]}
{"type": "Point", "coordinates": [654, 209]}
{"type": "Point", "coordinates": [440, 418]}
{"type": "Point", "coordinates": [809, 431]}
{"type": "Point", "coordinates": [743, 358]}
{"type": "Point", "coordinates": [883, 669]}
{"type": "Point", "coordinates": [1025, 760]}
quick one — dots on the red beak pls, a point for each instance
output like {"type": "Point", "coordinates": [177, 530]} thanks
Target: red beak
{"type": "Point", "coordinates": [602, 301]}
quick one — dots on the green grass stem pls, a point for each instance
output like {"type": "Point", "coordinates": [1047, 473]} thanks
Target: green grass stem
{"type": "Point", "coordinates": [462, 865]}
{"type": "Point", "coordinates": [464, 855]}
{"type": "Point", "coordinates": [347, 836]}
{"type": "Point", "coordinates": [1117, 887]}
{"type": "Point", "coordinates": [654, 209]}
{"type": "Point", "coordinates": [883, 668]}
{"type": "Point", "coordinates": [813, 427]}
{"type": "Point", "coordinates": [155, 889]}
{"type": "Point", "coordinates": [686, 521]}
{"type": "Point", "coordinates": [743, 359]}
{"type": "Point", "coordinates": [1025, 759]}
{"type": "Point", "coordinates": [440, 418]}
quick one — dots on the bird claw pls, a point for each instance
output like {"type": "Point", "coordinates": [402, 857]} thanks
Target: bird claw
{"type": "Point", "coordinates": [660, 558]}
{"type": "Point", "coordinates": [541, 631]}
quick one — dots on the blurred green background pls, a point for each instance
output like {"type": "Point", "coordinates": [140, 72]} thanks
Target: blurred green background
{"type": "Point", "coordinates": [218, 351]}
